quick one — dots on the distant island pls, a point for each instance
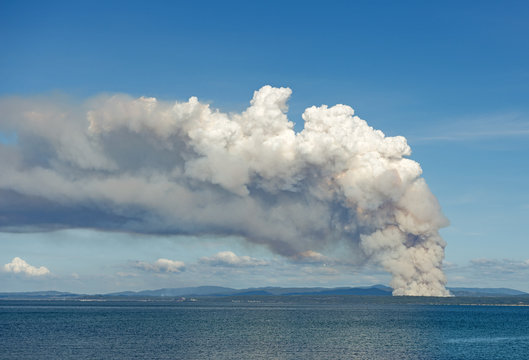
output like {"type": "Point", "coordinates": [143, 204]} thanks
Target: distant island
{"type": "Point", "coordinates": [217, 291]}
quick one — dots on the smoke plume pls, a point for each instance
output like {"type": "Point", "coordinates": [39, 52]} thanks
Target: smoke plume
{"type": "Point", "coordinates": [150, 166]}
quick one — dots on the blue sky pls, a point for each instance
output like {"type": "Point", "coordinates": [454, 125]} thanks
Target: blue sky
{"type": "Point", "coordinates": [452, 77]}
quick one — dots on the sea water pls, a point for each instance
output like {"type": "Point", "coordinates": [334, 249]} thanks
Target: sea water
{"type": "Point", "coordinates": [253, 328]}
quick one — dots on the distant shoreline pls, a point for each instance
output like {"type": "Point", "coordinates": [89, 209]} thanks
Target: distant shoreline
{"type": "Point", "coordinates": [271, 300]}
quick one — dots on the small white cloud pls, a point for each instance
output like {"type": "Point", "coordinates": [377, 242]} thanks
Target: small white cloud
{"type": "Point", "coordinates": [500, 266]}
{"type": "Point", "coordinates": [228, 258]}
{"type": "Point", "coordinates": [19, 266]}
{"type": "Point", "coordinates": [447, 265]}
{"type": "Point", "coordinates": [162, 266]}
{"type": "Point", "coordinates": [311, 256]}
{"type": "Point", "coordinates": [320, 270]}
{"type": "Point", "coordinates": [126, 274]}
{"type": "Point", "coordinates": [479, 128]}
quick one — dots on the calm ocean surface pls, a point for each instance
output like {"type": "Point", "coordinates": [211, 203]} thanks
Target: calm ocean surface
{"type": "Point", "coordinates": [296, 329]}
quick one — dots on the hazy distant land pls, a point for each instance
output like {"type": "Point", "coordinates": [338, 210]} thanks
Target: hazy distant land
{"type": "Point", "coordinates": [371, 294]}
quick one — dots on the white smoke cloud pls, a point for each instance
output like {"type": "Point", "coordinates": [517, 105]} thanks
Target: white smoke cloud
{"type": "Point", "coordinates": [228, 258]}
{"type": "Point", "coordinates": [162, 266]}
{"type": "Point", "coordinates": [144, 165]}
{"type": "Point", "coordinates": [19, 266]}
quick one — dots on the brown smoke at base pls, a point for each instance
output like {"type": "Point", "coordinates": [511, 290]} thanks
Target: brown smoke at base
{"type": "Point", "coordinates": [188, 168]}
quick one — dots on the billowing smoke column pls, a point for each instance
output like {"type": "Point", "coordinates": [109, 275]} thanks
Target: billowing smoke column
{"type": "Point", "coordinates": [142, 165]}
